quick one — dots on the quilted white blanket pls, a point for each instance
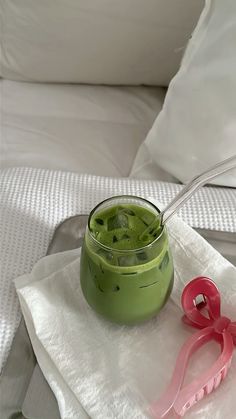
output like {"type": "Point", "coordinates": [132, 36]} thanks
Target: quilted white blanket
{"type": "Point", "coordinates": [34, 201]}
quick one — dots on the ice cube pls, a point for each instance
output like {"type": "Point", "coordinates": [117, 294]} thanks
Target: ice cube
{"type": "Point", "coordinates": [117, 221]}
{"type": "Point", "coordinates": [105, 254]}
{"type": "Point", "coordinates": [147, 218]}
{"type": "Point", "coordinates": [129, 212]}
{"type": "Point", "coordinates": [129, 260]}
{"type": "Point", "coordinates": [142, 256]}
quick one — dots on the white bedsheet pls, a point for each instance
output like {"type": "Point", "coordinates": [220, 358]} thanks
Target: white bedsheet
{"type": "Point", "coordinates": [80, 128]}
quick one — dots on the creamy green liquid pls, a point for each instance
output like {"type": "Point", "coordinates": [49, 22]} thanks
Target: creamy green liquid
{"type": "Point", "coordinates": [126, 276]}
{"type": "Point", "coordinates": [122, 227]}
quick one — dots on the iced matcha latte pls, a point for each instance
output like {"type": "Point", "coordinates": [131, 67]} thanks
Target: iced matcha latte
{"type": "Point", "coordinates": [126, 276]}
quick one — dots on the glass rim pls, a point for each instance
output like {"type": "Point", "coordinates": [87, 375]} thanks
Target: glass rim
{"type": "Point", "coordinates": [147, 246]}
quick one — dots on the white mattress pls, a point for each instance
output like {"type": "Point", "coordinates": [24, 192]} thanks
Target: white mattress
{"type": "Point", "coordinates": [80, 128]}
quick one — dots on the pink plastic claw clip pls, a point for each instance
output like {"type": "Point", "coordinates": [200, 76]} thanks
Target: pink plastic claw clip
{"type": "Point", "coordinates": [177, 400]}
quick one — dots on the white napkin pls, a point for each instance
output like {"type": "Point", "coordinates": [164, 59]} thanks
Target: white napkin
{"type": "Point", "coordinates": [100, 370]}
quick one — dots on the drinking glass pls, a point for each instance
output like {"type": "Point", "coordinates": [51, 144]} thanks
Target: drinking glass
{"type": "Point", "coordinates": [122, 282]}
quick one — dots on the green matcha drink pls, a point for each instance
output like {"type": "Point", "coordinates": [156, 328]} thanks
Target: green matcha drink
{"type": "Point", "coordinates": [126, 276]}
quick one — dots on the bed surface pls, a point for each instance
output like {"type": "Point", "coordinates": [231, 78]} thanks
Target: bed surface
{"type": "Point", "coordinates": [34, 201]}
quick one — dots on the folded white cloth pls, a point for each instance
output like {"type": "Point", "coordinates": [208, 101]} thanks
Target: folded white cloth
{"type": "Point", "coordinates": [104, 371]}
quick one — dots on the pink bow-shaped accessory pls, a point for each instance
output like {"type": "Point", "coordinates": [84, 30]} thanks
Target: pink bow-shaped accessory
{"type": "Point", "coordinates": [217, 327]}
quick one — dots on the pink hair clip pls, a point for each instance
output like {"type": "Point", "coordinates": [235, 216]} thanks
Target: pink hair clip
{"type": "Point", "coordinates": [177, 399]}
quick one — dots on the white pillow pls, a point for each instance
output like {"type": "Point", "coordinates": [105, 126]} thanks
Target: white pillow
{"type": "Point", "coordinates": [80, 128]}
{"type": "Point", "coordinates": [95, 41]}
{"type": "Point", "coordinates": [197, 126]}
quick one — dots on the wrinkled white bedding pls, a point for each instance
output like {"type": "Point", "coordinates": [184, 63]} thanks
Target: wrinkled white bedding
{"type": "Point", "coordinates": [34, 201]}
{"type": "Point", "coordinates": [86, 129]}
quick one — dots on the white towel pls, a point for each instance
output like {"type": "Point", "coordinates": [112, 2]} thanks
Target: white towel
{"type": "Point", "coordinates": [104, 371]}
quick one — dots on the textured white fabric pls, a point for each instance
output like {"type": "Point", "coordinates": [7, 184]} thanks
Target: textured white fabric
{"type": "Point", "coordinates": [196, 127]}
{"type": "Point", "coordinates": [34, 201]}
{"type": "Point", "coordinates": [95, 41]}
{"type": "Point", "coordinates": [115, 372]}
{"type": "Point", "coordinates": [86, 129]}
